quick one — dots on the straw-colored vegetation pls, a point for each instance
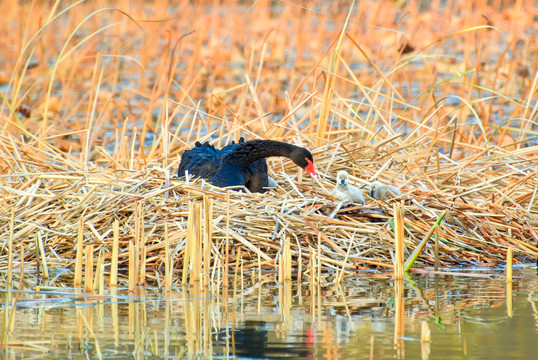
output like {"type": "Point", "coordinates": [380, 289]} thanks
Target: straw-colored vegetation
{"type": "Point", "coordinates": [99, 100]}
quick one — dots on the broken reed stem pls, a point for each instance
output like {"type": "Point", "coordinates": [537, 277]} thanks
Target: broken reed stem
{"type": "Point", "coordinates": [88, 276]}
{"type": "Point", "coordinates": [259, 268]}
{"type": "Point", "coordinates": [80, 250]}
{"type": "Point", "coordinates": [299, 270]}
{"type": "Point", "coordinates": [509, 262]}
{"type": "Point", "coordinates": [43, 258]}
{"type": "Point", "coordinates": [191, 260]}
{"type": "Point", "coordinates": [207, 239]}
{"type": "Point", "coordinates": [187, 252]}
{"type": "Point", "coordinates": [115, 249]}
{"type": "Point", "coordinates": [227, 249]}
{"type": "Point", "coordinates": [286, 257]}
{"type": "Point", "coordinates": [399, 240]}
{"type": "Point", "coordinates": [318, 263]}
{"type": "Point", "coordinates": [236, 273]}
{"type": "Point", "coordinates": [436, 250]}
{"type": "Point", "coordinates": [196, 249]}
{"type": "Point", "coordinates": [311, 266]}
{"type": "Point", "coordinates": [132, 266]}
{"type": "Point", "coordinates": [102, 276]}
{"type": "Point", "coordinates": [167, 261]}
{"type": "Point", "coordinates": [143, 256]}
{"type": "Point", "coordinates": [99, 277]}
{"type": "Point", "coordinates": [10, 249]}
{"type": "Point", "coordinates": [139, 229]}
{"type": "Point", "coordinates": [21, 285]}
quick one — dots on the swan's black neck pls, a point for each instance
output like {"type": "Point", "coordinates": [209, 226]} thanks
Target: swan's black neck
{"type": "Point", "coordinates": [254, 150]}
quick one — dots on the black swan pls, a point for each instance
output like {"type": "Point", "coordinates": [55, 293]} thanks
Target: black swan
{"type": "Point", "coordinates": [241, 163]}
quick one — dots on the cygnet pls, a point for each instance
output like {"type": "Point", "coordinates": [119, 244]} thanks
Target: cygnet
{"type": "Point", "coordinates": [382, 191]}
{"type": "Point", "coordinates": [343, 191]}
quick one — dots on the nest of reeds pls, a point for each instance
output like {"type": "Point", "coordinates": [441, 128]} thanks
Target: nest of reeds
{"type": "Point", "coordinates": [95, 137]}
{"type": "Point", "coordinates": [491, 206]}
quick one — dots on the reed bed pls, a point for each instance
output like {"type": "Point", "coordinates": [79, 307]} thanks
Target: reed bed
{"type": "Point", "coordinates": [483, 219]}
{"type": "Point", "coordinates": [97, 109]}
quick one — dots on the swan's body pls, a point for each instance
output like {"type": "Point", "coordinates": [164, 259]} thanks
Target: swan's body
{"type": "Point", "coordinates": [241, 163]}
{"type": "Point", "coordinates": [346, 192]}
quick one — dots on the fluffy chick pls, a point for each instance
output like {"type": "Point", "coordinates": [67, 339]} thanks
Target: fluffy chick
{"type": "Point", "coordinates": [343, 191]}
{"type": "Point", "coordinates": [382, 191]}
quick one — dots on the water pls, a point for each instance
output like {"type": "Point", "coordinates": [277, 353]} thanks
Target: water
{"type": "Point", "coordinates": [469, 316]}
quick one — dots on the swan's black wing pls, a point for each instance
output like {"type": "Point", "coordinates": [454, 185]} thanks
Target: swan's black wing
{"type": "Point", "coordinates": [204, 160]}
{"type": "Point", "coordinates": [255, 175]}
{"type": "Point", "coordinates": [200, 161]}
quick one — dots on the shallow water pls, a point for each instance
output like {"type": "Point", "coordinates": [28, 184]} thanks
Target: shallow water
{"type": "Point", "coordinates": [467, 312]}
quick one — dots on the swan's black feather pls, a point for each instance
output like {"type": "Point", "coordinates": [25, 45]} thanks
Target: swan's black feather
{"type": "Point", "coordinates": [241, 163]}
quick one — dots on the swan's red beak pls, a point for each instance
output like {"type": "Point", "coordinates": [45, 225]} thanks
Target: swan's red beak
{"type": "Point", "coordinates": [310, 168]}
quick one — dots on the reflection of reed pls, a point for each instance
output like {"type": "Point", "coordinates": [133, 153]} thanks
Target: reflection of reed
{"type": "Point", "coordinates": [195, 326]}
{"type": "Point", "coordinates": [509, 299]}
{"type": "Point", "coordinates": [206, 323]}
{"type": "Point", "coordinates": [285, 302]}
{"type": "Point", "coordinates": [425, 340]}
{"type": "Point", "coordinates": [114, 316]}
{"type": "Point", "coordinates": [399, 332]}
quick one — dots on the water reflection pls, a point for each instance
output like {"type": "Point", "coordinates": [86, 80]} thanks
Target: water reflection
{"type": "Point", "coordinates": [448, 316]}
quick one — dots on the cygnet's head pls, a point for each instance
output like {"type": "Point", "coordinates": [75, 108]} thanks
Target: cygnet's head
{"type": "Point", "coordinates": [374, 186]}
{"type": "Point", "coordinates": [341, 178]}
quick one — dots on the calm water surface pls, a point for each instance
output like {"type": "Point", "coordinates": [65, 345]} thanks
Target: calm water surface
{"type": "Point", "coordinates": [469, 314]}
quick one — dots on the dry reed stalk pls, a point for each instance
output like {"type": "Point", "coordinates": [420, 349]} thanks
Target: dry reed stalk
{"type": "Point", "coordinates": [98, 276]}
{"type": "Point", "coordinates": [227, 245]}
{"type": "Point", "coordinates": [80, 248]}
{"type": "Point", "coordinates": [196, 249]}
{"type": "Point", "coordinates": [101, 269]}
{"type": "Point", "coordinates": [167, 261]}
{"type": "Point", "coordinates": [10, 250]}
{"type": "Point", "coordinates": [207, 237]}
{"type": "Point", "coordinates": [132, 267]}
{"type": "Point", "coordinates": [143, 258]}
{"type": "Point", "coordinates": [399, 240]}
{"type": "Point", "coordinates": [138, 240]}
{"type": "Point", "coordinates": [115, 249]}
{"type": "Point", "coordinates": [88, 269]}
{"type": "Point", "coordinates": [509, 261]}
{"type": "Point", "coordinates": [286, 256]}
{"type": "Point", "coordinates": [236, 275]}
{"type": "Point", "coordinates": [41, 254]}
{"type": "Point", "coordinates": [436, 251]}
